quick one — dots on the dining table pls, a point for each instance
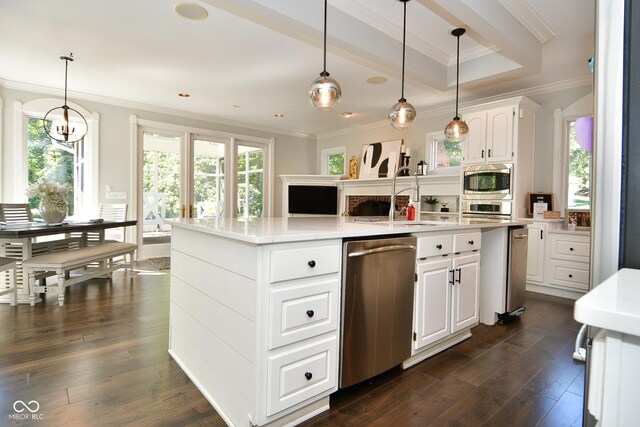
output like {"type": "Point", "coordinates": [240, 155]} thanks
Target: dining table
{"type": "Point", "coordinates": [23, 240]}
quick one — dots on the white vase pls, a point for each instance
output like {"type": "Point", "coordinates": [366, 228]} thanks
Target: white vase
{"type": "Point", "coordinates": [53, 208]}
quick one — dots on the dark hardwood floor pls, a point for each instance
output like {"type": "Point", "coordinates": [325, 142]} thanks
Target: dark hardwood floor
{"type": "Point", "coordinates": [102, 360]}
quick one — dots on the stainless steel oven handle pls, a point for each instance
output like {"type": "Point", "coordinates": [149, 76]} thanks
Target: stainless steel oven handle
{"type": "Point", "coordinates": [382, 249]}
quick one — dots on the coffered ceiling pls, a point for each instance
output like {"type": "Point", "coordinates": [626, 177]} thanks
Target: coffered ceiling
{"type": "Point", "coordinates": [252, 59]}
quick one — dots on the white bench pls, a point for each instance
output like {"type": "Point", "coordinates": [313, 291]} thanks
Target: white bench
{"type": "Point", "coordinates": [5, 265]}
{"type": "Point", "coordinates": [61, 263]}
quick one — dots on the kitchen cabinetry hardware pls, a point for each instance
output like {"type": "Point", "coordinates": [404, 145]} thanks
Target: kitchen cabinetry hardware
{"type": "Point", "coordinates": [308, 375]}
{"type": "Point", "coordinates": [381, 249]}
{"type": "Point", "coordinates": [415, 336]}
{"type": "Point", "coordinates": [482, 155]}
{"type": "Point", "coordinates": [310, 313]}
{"type": "Point", "coordinates": [571, 249]}
{"type": "Point", "coordinates": [459, 270]}
{"type": "Point", "coordinates": [489, 152]}
{"type": "Point", "coordinates": [541, 234]}
{"type": "Point", "coordinates": [312, 263]}
{"type": "Point", "coordinates": [571, 275]}
{"type": "Point", "coordinates": [471, 242]}
{"type": "Point", "coordinates": [452, 276]}
{"type": "Point", "coordinates": [438, 246]}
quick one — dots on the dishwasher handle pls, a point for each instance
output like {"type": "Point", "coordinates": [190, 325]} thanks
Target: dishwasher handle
{"type": "Point", "coordinates": [381, 249]}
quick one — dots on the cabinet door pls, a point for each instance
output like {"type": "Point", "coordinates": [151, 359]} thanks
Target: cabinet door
{"type": "Point", "coordinates": [500, 134]}
{"type": "Point", "coordinates": [465, 310]}
{"type": "Point", "coordinates": [474, 148]}
{"type": "Point", "coordinates": [535, 252]}
{"type": "Point", "coordinates": [433, 302]}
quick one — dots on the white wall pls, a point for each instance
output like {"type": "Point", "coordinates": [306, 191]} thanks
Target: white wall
{"type": "Point", "coordinates": [415, 137]}
{"type": "Point", "coordinates": [293, 155]}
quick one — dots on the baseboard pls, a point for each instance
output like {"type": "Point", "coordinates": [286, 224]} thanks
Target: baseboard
{"type": "Point", "coordinates": [436, 348]}
{"type": "Point", "coordinates": [556, 292]}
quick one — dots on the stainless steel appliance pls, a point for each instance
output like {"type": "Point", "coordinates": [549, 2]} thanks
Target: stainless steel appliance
{"type": "Point", "coordinates": [493, 181]}
{"type": "Point", "coordinates": [497, 209]}
{"type": "Point", "coordinates": [516, 272]}
{"type": "Point", "coordinates": [377, 306]}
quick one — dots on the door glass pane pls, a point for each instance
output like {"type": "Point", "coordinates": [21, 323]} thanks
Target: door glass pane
{"type": "Point", "coordinates": [160, 184]}
{"type": "Point", "coordinates": [579, 191]}
{"type": "Point", "coordinates": [208, 178]}
{"type": "Point", "coordinates": [250, 181]}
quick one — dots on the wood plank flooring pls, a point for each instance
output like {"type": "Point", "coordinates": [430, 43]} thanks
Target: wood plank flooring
{"type": "Point", "coordinates": [102, 361]}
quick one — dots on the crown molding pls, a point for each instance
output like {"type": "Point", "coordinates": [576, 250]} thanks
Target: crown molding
{"type": "Point", "coordinates": [442, 109]}
{"type": "Point", "coordinates": [530, 19]}
{"type": "Point", "coordinates": [44, 90]}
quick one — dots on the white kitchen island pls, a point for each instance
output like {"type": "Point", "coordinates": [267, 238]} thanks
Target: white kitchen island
{"type": "Point", "coordinates": [255, 307]}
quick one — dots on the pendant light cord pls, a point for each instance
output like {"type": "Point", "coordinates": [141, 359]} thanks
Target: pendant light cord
{"type": "Point", "coordinates": [66, 68]}
{"type": "Point", "coordinates": [324, 64]}
{"type": "Point", "coordinates": [457, 74]}
{"type": "Point", "coordinates": [404, 35]}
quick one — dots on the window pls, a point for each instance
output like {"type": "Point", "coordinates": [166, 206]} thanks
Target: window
{"type": "Point", "coordinates": [208, 177]}
{"type": "Point", "coordinates": [334, 161]}
{"type": "Point", "coordinates": [444, 156]}
{"type": "Point", "coordinates": [579, 171]}
{"type": "Point", "coordinates": [250, 181]}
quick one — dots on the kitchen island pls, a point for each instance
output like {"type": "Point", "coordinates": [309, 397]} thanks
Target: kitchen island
{"type": "Point", "coordinates": [255, 305]}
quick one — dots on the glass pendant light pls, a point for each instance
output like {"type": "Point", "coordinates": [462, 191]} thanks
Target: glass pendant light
{"type": "Point", "coordinates": [325, 92]}
{"type": "Point", "coordinates": [403, 115]}
{"type": "Point", "coordinates": [64, 124]}
{"type": "Point", "coordinates": [457, 130]}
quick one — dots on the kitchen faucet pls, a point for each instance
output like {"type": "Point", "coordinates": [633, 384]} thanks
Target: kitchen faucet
{"type": "Point", "coordinates": [392, 208]}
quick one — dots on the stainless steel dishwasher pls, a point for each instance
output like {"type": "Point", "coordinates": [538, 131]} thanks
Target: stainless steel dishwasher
{"type": "Point", "coordinates": [377, 306]}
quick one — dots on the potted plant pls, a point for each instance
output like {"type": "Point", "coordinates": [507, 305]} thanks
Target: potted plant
{"type": "Point", "coordinates": [53, 206]}
{"type": "Point", "coordinates": [431, 203]}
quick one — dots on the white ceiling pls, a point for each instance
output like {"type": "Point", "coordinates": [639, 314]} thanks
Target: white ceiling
{"type": "Point", "coordinates": [263, 54]}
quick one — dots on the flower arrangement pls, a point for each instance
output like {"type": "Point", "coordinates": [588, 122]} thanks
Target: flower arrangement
{"type": "Point", "coordinates": [47, 190]}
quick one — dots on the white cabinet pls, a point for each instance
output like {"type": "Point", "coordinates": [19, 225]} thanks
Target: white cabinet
{"type": "Point", "coordinates": [535, 251]}
{"type": "Point", "coordinates": [446, 294]}
{"type": "Point", "coordinates": [490, 136]}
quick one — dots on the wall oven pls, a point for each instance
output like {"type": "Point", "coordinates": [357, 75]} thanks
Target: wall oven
{"type": "Point", "coordinates": [479, 208]}
{"type": "Point", "coordinates": [488, 182]}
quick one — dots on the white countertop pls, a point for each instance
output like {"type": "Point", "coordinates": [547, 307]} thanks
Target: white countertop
{"type": "Point", "coordinates": [295, 229]}
{"type": "Point", "coordinates": [614, 304]}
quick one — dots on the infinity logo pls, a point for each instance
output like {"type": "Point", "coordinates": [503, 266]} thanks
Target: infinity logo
{"type": "Point", "coordinates": [22, 405]}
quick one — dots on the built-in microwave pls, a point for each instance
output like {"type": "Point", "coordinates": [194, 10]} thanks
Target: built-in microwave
{"type": "Point", "coordinates": [488, 182]}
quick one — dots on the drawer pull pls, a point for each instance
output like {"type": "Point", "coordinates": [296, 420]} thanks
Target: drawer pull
{"type": "Point", "coordinates": [438, 246]}
{"type": "Point", "coordinates": [310, 313]}
{"type": "Point", "coordinates": [570, 249]}
{"type": "Point", "coordinates": [459, 270]}
{"type": "Point", "coordinates": [311, 263]}
{"type": "Point", "coordinates": [308, 375]}
{"type": "Point", "coordinates": [470, 242]}
{"type": "Point", "coordinates": [571, 275]}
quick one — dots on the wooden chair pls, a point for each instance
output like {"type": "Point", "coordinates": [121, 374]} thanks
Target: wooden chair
{"type": "Point", "coordinates": [114, 212]}
{"type": "Point", "coordinates": [15, 212]}
{"type": "Point", "coordinates": [5, 265]}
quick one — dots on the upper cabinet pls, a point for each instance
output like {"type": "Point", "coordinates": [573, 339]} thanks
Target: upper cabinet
{"type": "Point", "coordinates": [495, 131]}
{"type": "Point", "coordinates": [490, 136]}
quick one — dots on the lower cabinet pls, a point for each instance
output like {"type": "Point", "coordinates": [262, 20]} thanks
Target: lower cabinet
{"type": "Point", "coordinates": [446, 296]}
{"type": "Point", "coordinates": [535, 251]}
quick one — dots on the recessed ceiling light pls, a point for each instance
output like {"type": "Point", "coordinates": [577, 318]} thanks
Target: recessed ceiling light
{"type": "Point", "coordinates": [184, 95]}
{"type": "Point", "coordinates": [376, 80]}
{"type": "Point", "coordinates": [236, 106]}
{"type": "Point", "coordinates": [347, 114]}
{"type": "Point", "coordinates": [191, 11]}
{"type": "Point", "coordinates": [279, 116]}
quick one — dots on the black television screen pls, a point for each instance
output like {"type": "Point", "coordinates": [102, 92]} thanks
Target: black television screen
{"type": "Point", "coordinates": [313, 199]}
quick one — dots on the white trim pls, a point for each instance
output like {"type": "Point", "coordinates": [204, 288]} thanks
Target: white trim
{"type": "Point", "coordinates": [1, 148]}
{"type": "Point", "coordinates": [431, 151]}
{"type": "Point", "coordinates": [133, 183]}
{"type": "Point", "coordinates": [443, 109]}
{"type": "Point", "coordinates": [324, 159]}
{"type": "Point", "coordinates": [27, 87]}
{"type": "Point", "coordinates": [530, 19]}
{"type": "Point", "coordinates": [560, 161]}
{"type": "Point", "coordinates": [19, 155]}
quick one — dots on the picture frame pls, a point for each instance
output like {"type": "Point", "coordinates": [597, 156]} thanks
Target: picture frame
{"type": "Point", "coordinates": [380, 159]}
{"type": "Point", "coordinates": [533, 198]}
{"type": "Point", "coordinates": [582, 218]}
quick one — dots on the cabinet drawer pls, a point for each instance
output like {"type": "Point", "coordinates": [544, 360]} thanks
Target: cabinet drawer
{"type": "Point", "coordinates": [570, 247]}
{"type": "Point", "coordinates": [570, 274]}
{"type": "Point", "coordinates": [296, 375]}
{"type": "Point", "coordinates": [287, 264]}
{"type": "Point", "coordinates": [463, 242]}
{"type": "Point", "coordinates": [301, 312]}
{"type": "Point", "coordinates": [429, 246]}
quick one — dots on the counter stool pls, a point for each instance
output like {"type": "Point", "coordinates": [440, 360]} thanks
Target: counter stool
{"type": "Point", "coordinates": [10, 264]}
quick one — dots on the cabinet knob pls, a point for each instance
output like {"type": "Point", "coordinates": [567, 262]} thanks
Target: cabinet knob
{"type": "Point", "coordinates": [310, 313]}
{"type": "Point", "coordinates": [308, 375]}
{"type": "Point", "coordinates": [570, 249]}
{"type": "Point", "coordinates": [470, 242]}
{"type": "Point", "coordinates": [438, 246]}
{"type": "Point", "coordinates": [571, 275]}
{"type": "Point", "coordinates": [311, 263]}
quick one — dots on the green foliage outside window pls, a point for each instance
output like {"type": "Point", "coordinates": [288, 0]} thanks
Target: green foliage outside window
{"type": "Point", "coordinates": [579, 190]}
{"type": "Point", "coordinates": [336, 164]}
{"type": "Point", "coordinates": [48, 162]}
